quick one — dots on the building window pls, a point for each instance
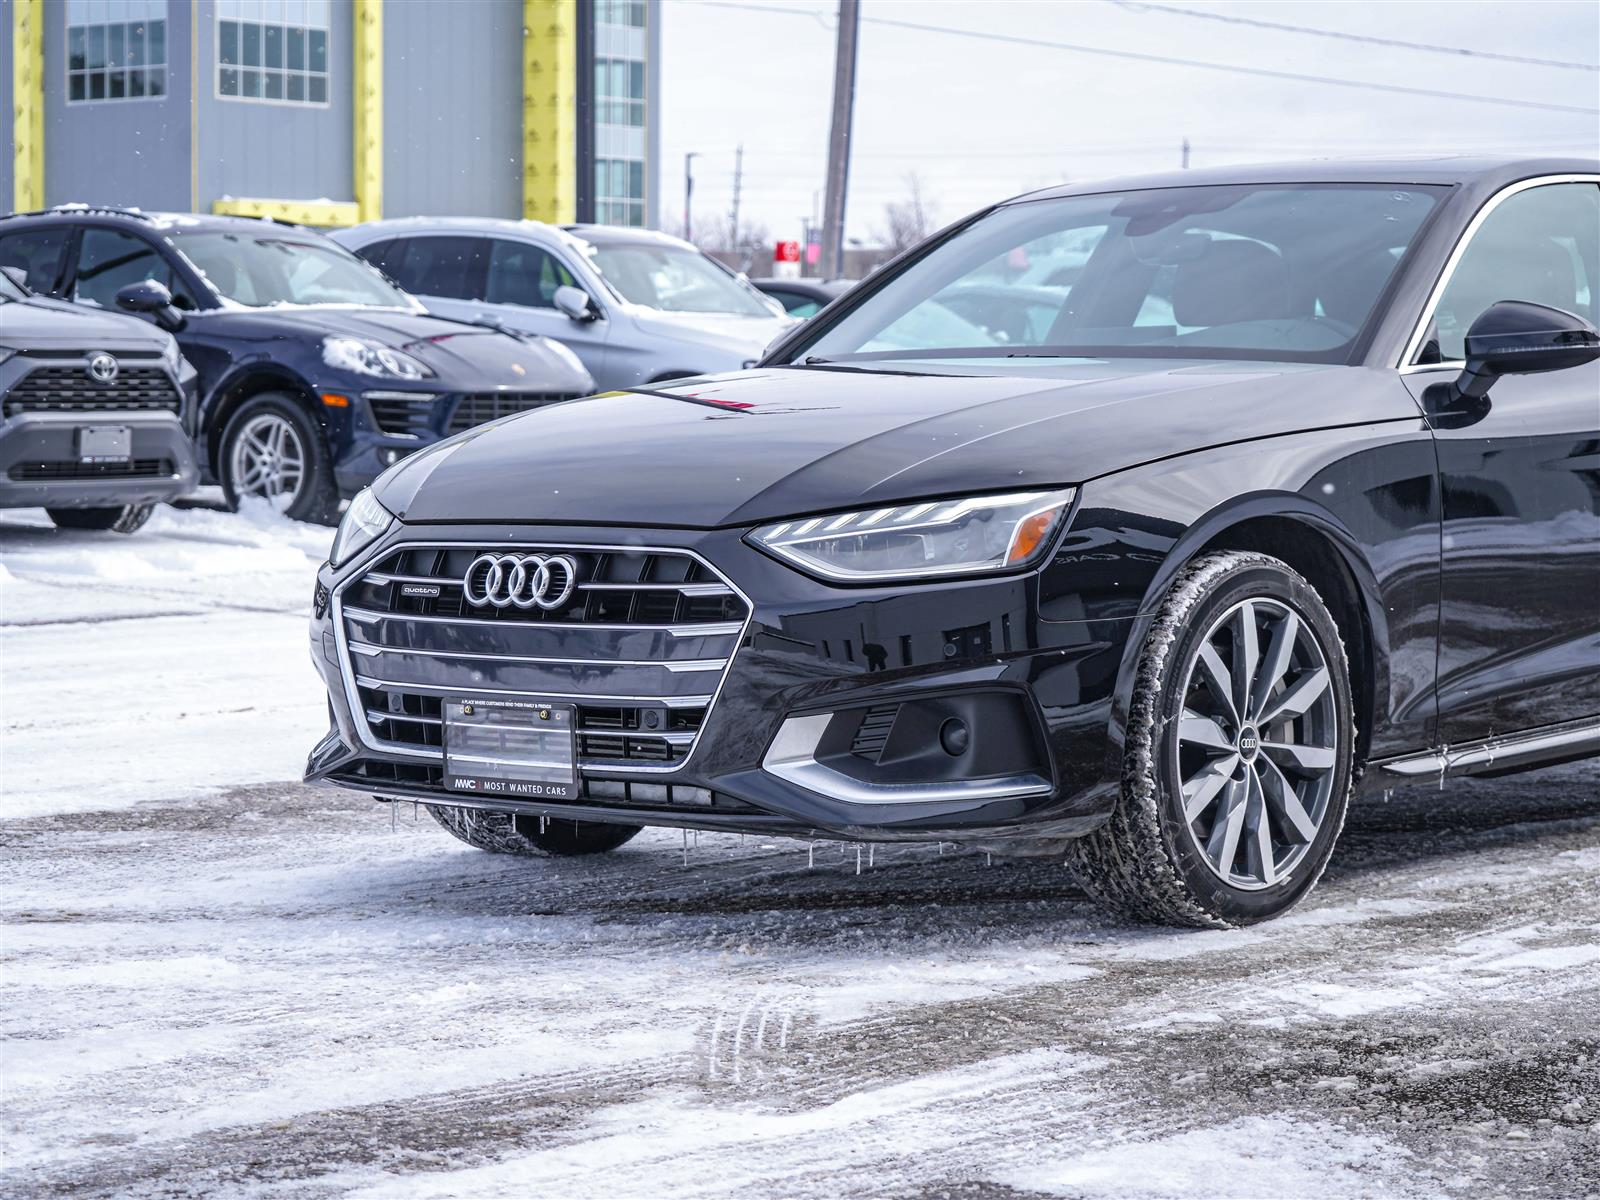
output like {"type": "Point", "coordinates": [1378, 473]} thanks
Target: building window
{"type": "Point", "coordinates": [273, 50]}
{"type": "Point", "coordinates": [116, 50]}
{"type": "Point", "coordinates": [619, 191]}
{"type": "Point", "coordinates": [629, 13]}
{"type": "Point", "coordinates": [619, 92]}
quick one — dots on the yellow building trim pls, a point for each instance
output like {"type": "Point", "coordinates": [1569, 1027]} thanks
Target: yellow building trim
{"type": "Point", "coordinates": [368, 97]}
{"type": "Point", "coordinates": [27, 104]}
{"type": "Point", "coordinates": [549, 110]}
{"type": "Point", "coordinates": [325, 213]}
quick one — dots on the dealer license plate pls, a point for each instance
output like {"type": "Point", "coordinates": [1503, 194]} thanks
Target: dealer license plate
{"type": "Point", "coordinates": [514, 748]}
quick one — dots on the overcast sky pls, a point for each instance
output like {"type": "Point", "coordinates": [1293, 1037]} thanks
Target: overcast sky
{"type": "Point", "coordinates": [980, 119]}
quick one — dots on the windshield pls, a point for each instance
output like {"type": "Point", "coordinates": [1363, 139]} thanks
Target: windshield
{"type": "Point", "coordinates": [676, 280]}
{"type": "Point", "coordinates": [278, 267]}
{"type": "Point", "coordinates": [1271, 272]}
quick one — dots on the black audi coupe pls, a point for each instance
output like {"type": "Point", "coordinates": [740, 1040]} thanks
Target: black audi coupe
{"type": "Point", "coordinates": [1290, 493]}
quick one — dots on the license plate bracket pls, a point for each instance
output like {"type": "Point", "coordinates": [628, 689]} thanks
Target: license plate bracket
{"type": "Point", "coordinates": [515, 748]}
{"type": "Point", "coordinates": [105, 443]}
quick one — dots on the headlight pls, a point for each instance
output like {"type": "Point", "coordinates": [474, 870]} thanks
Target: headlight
{"type": "Point", "coordinates": [912, 541]}
{"type": "Point", "coordinates": [565, 353]}
{"type": "Point", "coordinates": [371, 358]}
{"type": "Point", "coordinates": [363, 521]}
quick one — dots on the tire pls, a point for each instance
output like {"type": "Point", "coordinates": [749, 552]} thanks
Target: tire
{"type": "Point", "coordinates": [106, 520]}
{"type": "Point", "coordinates": [508, 833]}
{"type": "Point", "coordinates": [1150, 860]}
{"type": "Point", "coordinates": [272, 448]}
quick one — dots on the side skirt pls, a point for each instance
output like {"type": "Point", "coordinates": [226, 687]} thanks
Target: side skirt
{"type": "Point", "coordinates": [1505, 755]}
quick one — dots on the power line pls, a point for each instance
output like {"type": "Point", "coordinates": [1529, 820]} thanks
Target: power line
{"type": "Point", "coordinates": [1367, 39]}
{"type": "Point", "coordinates": [1198, 64]}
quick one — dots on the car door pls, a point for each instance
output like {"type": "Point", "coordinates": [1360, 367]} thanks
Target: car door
{"type": "Point", "coordinates": [1519, 637]}
{"type": "Point", "coordinates": [520, 295]}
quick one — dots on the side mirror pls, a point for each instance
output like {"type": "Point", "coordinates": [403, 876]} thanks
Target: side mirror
{"type": "Point", "coordinates": [1515, 337]}
{"type": "Point", "coordinates": [148, 296]}
{"type": "Point", "coordinates": [574, 303]}
{"type": "Point", "coordinates": [19, 277]}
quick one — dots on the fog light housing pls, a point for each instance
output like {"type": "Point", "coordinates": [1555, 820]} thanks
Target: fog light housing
{"type": "Point", "coordinates": [956, 746]}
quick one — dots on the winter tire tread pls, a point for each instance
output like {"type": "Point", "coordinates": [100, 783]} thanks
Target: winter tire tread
{"type": "Point", "coordinates": [1127, 864]}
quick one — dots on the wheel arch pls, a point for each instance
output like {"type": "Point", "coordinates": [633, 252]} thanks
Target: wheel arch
{"type": "Point", "coordinates": [1313, 542]}
{"type": "Point", "coordinates": [246, 384]}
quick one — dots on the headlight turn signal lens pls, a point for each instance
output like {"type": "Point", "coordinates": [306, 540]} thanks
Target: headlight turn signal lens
{"type": "Point", "coordinates": [961, 536]}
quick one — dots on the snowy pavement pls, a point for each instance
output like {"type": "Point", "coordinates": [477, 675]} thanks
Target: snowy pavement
{"type": "Point", "coordinates": [217, 981]}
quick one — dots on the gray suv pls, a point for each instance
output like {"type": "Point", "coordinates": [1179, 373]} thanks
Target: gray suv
{"type": "Point", "coordinates": [637, 307]}
{"type": "Point", "coordinates": [93, 413]}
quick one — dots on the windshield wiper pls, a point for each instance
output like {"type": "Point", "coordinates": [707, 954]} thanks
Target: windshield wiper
{"type": "Point", "coordinates": [864, 368]}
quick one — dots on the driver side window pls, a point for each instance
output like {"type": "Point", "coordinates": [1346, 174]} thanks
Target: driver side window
{"type": "Point", "coordinates": [109, 260]}
{"type": "Point", "coordinates": [1540, 245]}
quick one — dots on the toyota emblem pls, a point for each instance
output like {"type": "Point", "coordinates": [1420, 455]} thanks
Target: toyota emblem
{"type": "Point", "coordinates": [103, 368]}
{"type": "Point", "coordinates": [520, 580]}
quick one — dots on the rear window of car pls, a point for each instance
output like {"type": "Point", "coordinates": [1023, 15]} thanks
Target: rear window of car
{"type": "Point", "coordinates": [446, 266]}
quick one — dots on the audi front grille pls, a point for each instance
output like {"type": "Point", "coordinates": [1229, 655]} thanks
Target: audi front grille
{"type": "Point", "coordinates": [69, 389]}
{"type": "Point", "coordinates": [640, 647]}
{"type": "Point", "coordinates": [477, 408]}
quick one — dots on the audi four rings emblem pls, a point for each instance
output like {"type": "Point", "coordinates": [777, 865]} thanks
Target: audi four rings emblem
{"type": "Point", "coordinates": [520, 580]}
{"type": "Point", "coordinates": [103, 368]}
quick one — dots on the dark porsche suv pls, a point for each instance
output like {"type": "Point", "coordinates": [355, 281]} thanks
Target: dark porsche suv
{"type": "Point", "coordinates": [1298, 490]}
{"type": "Point", "coordinates": [315, 372]}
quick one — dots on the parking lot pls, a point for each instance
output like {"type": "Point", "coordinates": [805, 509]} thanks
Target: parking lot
{"type": "Point", "coordinates": [220, 981]}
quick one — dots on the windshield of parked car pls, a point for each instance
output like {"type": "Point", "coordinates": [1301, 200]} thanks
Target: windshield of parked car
{"type": "Point", "coordinates": [279, 267]}
{"type": "Point", "coordinates": [676, 280]}
{"type": "Point", "coordinates": [1285, 272]}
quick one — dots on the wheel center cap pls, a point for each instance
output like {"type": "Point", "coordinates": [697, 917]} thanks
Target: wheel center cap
{"type": "Point", "coordinates": [1249, 743]}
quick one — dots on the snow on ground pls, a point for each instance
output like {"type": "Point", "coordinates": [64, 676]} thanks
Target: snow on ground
{"type": "Point", "coordinates": [215, 980]}
{"type": "Point", "coordinates": [175, 661]}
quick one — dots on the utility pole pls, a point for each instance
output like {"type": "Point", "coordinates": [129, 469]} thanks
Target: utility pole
{"type": "Point", "coordinates": [688, 195]}
{"type": "Point", "coordinates": [1185, 153]}
{"type": "Point", "coordinates": [738, 179]}
{"type": "Point", "coordinates": [844, 99]}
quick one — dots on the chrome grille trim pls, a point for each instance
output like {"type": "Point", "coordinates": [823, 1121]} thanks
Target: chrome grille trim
{"type": "Point", "coordinates": [723, 629]}
{"type": "Point", "coordinates": [678, 738]}
{"type": "Point", "coordinates": [686, 666]}
{"type": "Point", "coordinates": [356, 572]}
{"type": "Point", "coordinates": [688, 589]}
{"type": "Point", "coordinates": [429, 689]}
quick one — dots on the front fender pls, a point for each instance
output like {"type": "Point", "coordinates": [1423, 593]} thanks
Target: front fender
{"type": "Point", "coordinates": [1367, 493]}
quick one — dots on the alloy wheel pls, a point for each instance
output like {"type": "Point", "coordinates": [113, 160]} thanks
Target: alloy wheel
{"type": "Point", "coordinates": [268, 459]}
{"type": "Point", "coordinates": [1257, 744]}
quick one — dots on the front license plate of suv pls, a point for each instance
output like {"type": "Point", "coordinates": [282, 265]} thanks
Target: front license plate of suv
{"type": "Point", "coordinates": [105, 443]}
{"type": "Point", "coordinates": [520, 748]}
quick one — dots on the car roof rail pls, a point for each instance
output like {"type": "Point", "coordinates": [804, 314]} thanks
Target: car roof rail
{"type": "Point", "coordinates": [92, 209]}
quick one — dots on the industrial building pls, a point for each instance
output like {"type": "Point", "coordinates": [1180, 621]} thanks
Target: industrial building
{"type": "Point", "coordinates": [331, 112]}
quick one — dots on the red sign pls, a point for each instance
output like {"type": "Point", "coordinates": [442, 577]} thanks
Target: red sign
{"type": "Point", "coordinates": [786, 252]}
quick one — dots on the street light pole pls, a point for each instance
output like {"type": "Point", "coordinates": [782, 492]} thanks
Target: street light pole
{"type": "Point", "coordinates": [844, 98]}
{"type": "Point", "coordinates": [688, 195]}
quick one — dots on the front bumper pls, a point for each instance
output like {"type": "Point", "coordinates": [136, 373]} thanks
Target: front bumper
{"type": "Point", "coordinates": [382, 422]}
{"type": "Point", "coordinates": [39, 461]}
{"type": "Point", "coordinates": [811, 668]}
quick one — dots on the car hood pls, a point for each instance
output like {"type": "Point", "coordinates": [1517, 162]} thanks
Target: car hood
{"type": "Point", "coordinates": [45, 324]}
{"type": "Point", "coordinates": [464, 357]}
{"type": "Point", "coordinates": [743, 337]}
{"type": "Point", "coordinates": [757, 445]}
